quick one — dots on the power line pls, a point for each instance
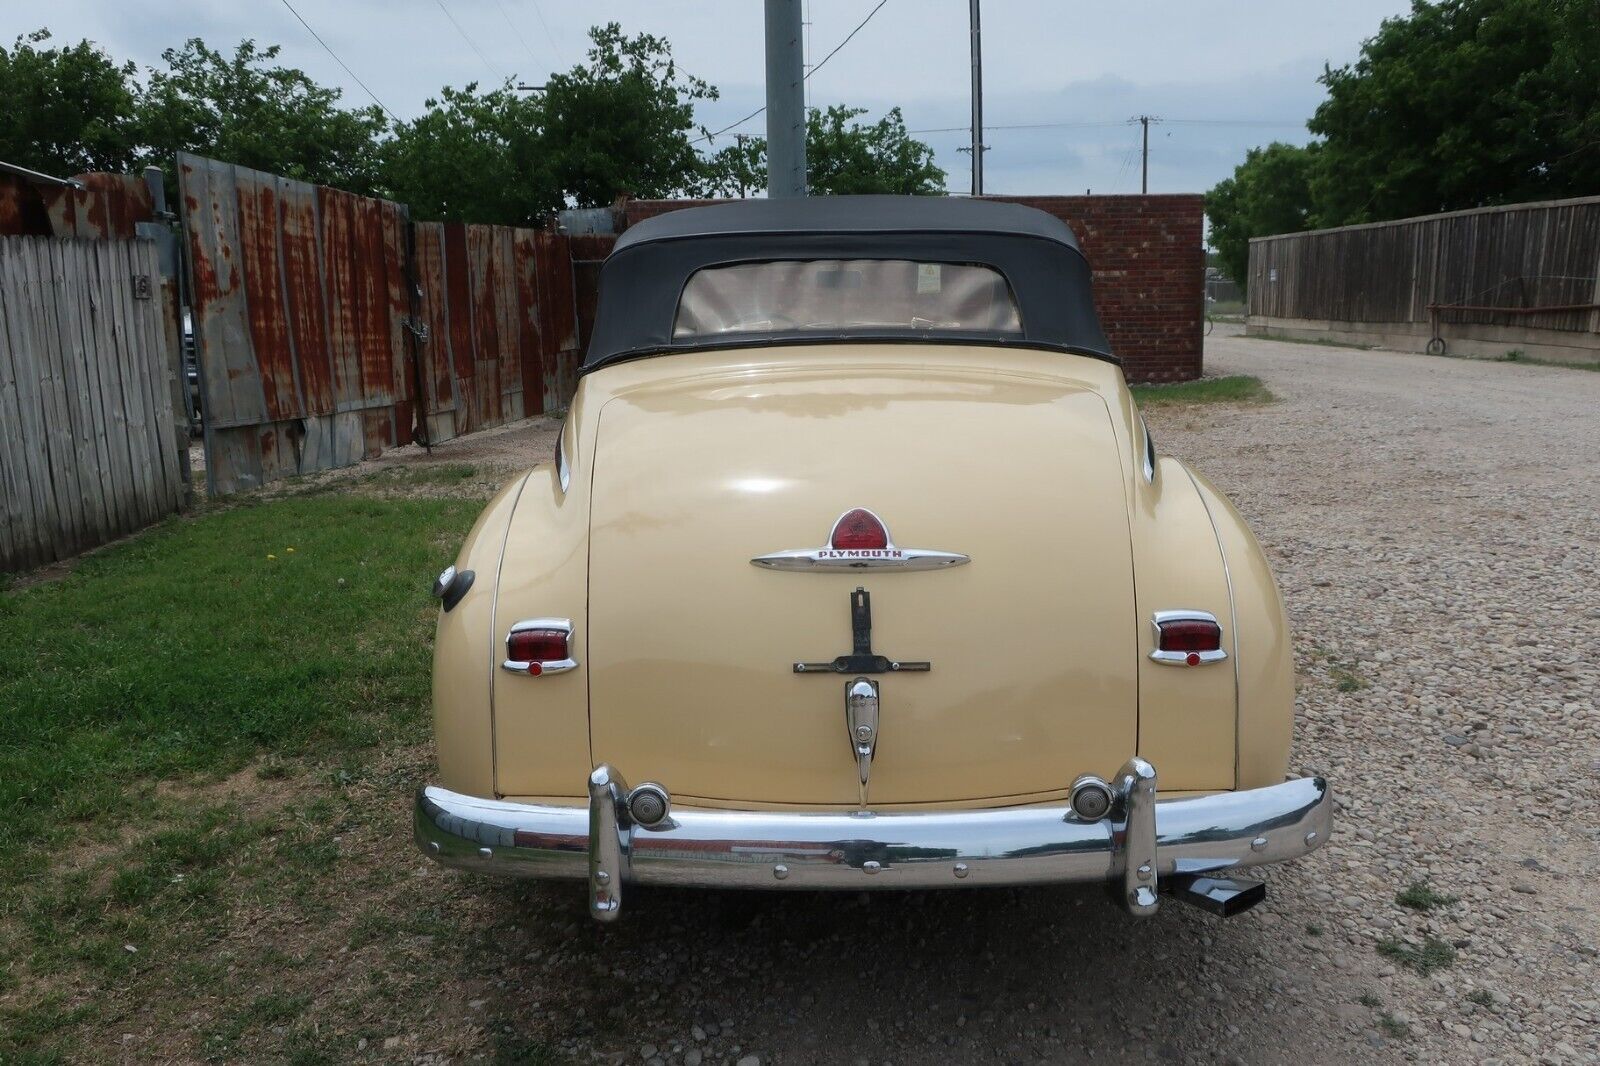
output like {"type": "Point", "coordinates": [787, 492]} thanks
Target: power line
{"type": "Point", "coordinates": [1116, 122]}
{"type": "Point", "coordinates": [1025, 126]}
{"type": "Point", "coordinates": [824, 62]}
{"type": "Point", "coordinates": [469, 40]}
{"type": "Point", "coordinates": [339, 61]}
{"type": "Point", "coordinates": [537, 61]}
{"type": "Point", "coordinates": [709, 137]}
{"type": "Point", "coordinates": [555, 52]}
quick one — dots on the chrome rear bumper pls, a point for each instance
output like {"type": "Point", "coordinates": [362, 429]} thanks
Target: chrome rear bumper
{"type": "Point", "coordinates": [1140, 842]}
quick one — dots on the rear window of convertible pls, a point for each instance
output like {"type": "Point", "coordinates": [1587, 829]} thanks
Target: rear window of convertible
{"type": "Point", "coordinates": [828, 295]}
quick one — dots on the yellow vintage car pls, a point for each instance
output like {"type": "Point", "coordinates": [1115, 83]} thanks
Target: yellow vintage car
{"type": "Point", "coordinates": [857, 561]}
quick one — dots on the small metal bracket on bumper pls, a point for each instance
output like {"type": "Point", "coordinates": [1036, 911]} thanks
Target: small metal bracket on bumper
{"type": "Point", "coordinates": [1143, 843]}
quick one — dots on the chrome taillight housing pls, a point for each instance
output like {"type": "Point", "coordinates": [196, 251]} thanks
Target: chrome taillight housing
{"type": "Point", "coordinates": [539, 646]}
{"type": "Point", "coordinates": [1187, 638]}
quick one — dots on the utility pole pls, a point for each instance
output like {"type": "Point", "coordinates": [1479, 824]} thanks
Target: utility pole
{"type": "Point", "coordinates": [977, 97]}
{"type": "Point", "coordinates": [739, 137]}
{"type": "Point", "coordinates": [786, 110]}
{"type": "Point", "coordinates": [1144, 170]}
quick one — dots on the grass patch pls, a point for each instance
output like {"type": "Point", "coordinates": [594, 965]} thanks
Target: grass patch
{"type": "Point", "coordinates": [1313, 929]}
{"type": "Point", "coordinates": [203, 817]}
{"type": "Point", "coordinates": [1323, 342]}
{"type": "Point", "coordinates": [1393, 1027]}
{"type": "Point", "coordinates": [1369, 1000]}
{"type": "Point", "coordinates": [300, 626]}
{"type": "Point", "coordinates": [1235, 388]}
{"type": "Point", "coordinates": [1481, 997]}
{"type": "Point", "coordinates": [1420, 896]}
{"type": "Point", "coordinates": [1433, 954]}
{"type": "Point", "coordinates": [1517, 355]}
{"type": "Point", "coordinates": [1346, 679]}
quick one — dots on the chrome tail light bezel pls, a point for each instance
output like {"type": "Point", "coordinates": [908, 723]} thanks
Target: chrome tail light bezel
{"type": "Point", "coordinates": [546, 666]}
{"type": "Point", "coordinates": [1185, 658]}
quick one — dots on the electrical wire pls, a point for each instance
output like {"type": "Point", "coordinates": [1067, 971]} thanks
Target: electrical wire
{"type": "Point", "coordinates": [1024, 126]}
{"type": "Point", "coordinates": [709, 137]}
{"type": "Point", "coordinates": [554, 51]}
{"type": "Point", "coordinates": [472, 44]}
{"type": "Point", "coordinates": [384, 107]}
{"type": "Point", "coordinates": [537, 61]}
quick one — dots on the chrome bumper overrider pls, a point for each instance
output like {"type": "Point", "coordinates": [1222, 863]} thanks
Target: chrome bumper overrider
{"type": "Point", "coordinates": [1139, 843]}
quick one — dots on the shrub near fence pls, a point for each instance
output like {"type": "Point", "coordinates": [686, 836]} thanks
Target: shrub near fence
{"type": "Point", "coordinates": [87, 448]}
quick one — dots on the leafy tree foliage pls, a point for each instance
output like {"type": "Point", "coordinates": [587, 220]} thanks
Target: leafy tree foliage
{"type": "Point", "coordinates": [66, 110]}
{"type": "Point", "coordinates": [1270, 192]}
{"type": "Point", "coordinates": [842, 157]}
{"type": "Point", "coordinates": [1459, 104]}
{"type": "Point", "coordinates": [620, 123]}
{"type": "Point", "coordinates": [247, 110]}
{"type": "Point", "coordinates": [473, 156]}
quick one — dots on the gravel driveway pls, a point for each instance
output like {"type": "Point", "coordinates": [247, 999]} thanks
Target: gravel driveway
{"type": "Point", "coordinates": [1433, 523]}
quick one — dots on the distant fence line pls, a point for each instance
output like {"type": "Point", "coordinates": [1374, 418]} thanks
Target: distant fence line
{"type": "Point", "coordinates": [1521, 274]}
{"type": "Point", "coordinates": [87, 354]}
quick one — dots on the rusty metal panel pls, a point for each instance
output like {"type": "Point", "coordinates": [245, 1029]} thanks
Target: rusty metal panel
{"type": "Point", "coordinates": [530, 350]}
{"type": "Point", "coordinates": [438, 368]}
{"type": "Point", "coordinates": [558, 319]}
{"type": "Point", "coordinates": [458, 303]}
{"type": "Point", "coordinates": [299, 302]}
{"type": "Point", "coordinates": [485, 326]}
{"type": "Point", "coordinates": [302, 299]}
{"type": "Point", "coordinates": [301, 280]}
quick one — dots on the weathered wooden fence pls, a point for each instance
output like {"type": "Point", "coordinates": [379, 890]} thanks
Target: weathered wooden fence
{"type": "Point", "coordinates": [87, 448]}
{"type": "Point", "coordinates": [1526, 270]}
{"type": "Point", "coordinates": [328, 326]}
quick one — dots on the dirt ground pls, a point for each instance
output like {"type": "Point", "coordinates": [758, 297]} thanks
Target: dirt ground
{"type": "Point", "coordinates": [1432, 523]}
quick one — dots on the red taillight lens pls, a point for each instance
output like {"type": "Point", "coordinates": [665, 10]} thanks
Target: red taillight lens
{"type": "Point", "coordinates": [1190, 635]}
{"type": "Point", "coordinates": [536, 646]}
{"type": "Point", "coordinates": [857, 530]}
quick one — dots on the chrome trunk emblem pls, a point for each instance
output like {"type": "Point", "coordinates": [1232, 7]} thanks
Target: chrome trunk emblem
{"type": "Point", "coordinates": [861, 716]}
{"type": "Point", "coordinates": [859, 540]}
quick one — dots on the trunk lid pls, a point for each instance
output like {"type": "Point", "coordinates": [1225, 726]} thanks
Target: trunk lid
{"type": "Point", "coordinates": [691, 647]}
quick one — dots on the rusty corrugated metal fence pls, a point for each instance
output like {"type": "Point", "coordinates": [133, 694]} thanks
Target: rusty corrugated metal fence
{"type": "Point", "coordinates": [328, 326]}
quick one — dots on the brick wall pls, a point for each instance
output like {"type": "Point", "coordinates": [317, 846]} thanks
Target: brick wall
{"type": "Point", "coordinates": [1149, 272]}
{"type": "Point", "coordinates": [1148, 258]}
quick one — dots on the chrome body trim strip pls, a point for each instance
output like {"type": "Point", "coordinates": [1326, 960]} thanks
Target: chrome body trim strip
{"type": "Point", "coordinates": [1181, 658]}
{"type": "Point", "coordinates": [546, 666]}
{"type": "Point", "coordinates": [563, 467]}
{"type": "Point", "coordinates": [855, 850]}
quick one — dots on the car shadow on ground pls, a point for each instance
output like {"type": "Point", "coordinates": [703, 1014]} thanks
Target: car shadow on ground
{"type": "Point", "coordinates": [1029, 974]}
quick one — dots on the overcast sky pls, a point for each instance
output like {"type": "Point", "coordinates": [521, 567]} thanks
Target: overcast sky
{"type": "Point", "coordinates": [1224, 75]}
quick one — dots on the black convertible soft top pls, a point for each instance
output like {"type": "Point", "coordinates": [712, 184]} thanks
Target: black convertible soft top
{"type": "Point", "coordinates": [642, 280]}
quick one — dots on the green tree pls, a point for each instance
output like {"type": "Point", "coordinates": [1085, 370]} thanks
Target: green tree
{"type": "Point", "coordinates": [473, 156]}
{"type": "Point", "coordinates": [842, 157]}
{"type": "Point", "coordinates": [66, 110]}
{"type": "Point", "coordinates": [1462, 103]}
{"type": "Point", "coordinates": [245, 109]}
{"type": "Point", "coordinates": [621, 123]}
{"type": "Point", "coordinates": [1270, 192]}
